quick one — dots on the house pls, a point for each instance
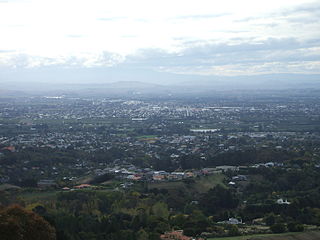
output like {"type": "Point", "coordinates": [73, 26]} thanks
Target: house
{"type": "Point", "coordinates": [207, 171]}
{"type": "Point", "coordinates": [134, 177]}
{"type": "Point", "coordinates": [239, 178]}
{"type": "Point", "coordinates": [126, 185]}
{"type": "Point", "coordinates": [176, 175]}
{"type": "Point", "coordinates": [232, 221]}
{"type": "Point", "coordinates": [158, 177]}
{"type": "Point", "coordinates": [82, 186]}
{"type": "Point", "coordinates": [281, 201]}
{"type": "Point", "coordinates": [269, 164]}
{"type": "Point", "coordinates": [227, 168]}
{"type": "Point", "coordinates": [9, 148]}
{"type": "Point", "coordinates": [189, 174]}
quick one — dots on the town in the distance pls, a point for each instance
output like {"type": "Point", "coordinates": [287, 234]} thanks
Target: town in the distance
{"type": "Point", "coordinates": [168, 167]}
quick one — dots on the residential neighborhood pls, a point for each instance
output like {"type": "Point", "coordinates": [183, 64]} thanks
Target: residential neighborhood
{"type": "Point", "coordinates": [163, 168]}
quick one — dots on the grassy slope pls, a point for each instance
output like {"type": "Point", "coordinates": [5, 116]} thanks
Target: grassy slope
{"type": "Point", "coordinates": [200, 186]}
{"type": "Point", "coordinates": [282, 236]}
{"type": "Point", "coordinates": [37, 196]}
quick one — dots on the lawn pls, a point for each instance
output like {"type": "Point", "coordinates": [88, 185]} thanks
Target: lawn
{"type": "Point", "coordinates": [279, 236]}
{"type": "Point", "coordinates": [201, 185]}
{"type": "Point", "coordinates": [146, 136]}
{"type": "Point", "coordinates": [166, 185]}
{"type": "Point", "coordinates": [247, 237]}
{"type": "Point", "coordinates": [205, 183]}
{"type": "Point", "coordinates": [38, 196]}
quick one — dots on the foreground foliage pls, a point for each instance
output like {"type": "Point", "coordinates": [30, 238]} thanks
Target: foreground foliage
{"type": "Point", "coordinates": [17, 223]}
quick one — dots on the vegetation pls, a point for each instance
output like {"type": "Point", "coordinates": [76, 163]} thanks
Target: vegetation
{"type": "Point", "coordinates": [257, 172]}
{"type": "Point", "coordinates": [17, 223]}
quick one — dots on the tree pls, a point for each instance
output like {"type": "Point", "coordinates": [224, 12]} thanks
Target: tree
{"type": "Point", "coordinates": [233, 230]}
{"type": "Point", "coordinates": [270, 219]}
{"type": "Point", "coordinates": [160, 209]}
{"type": "Point", "coordinates": [295, 227]}
{"type": "Point", "coordinates": [218, 198]}
{"type": "Point", "coordinates": [178, 220]}
{"type": "Point", "coordinates": [17, 223]}
{"type": "Point", "coordinates": [278, 228]}
{"type": "Point", "coordinates": [142, 235]}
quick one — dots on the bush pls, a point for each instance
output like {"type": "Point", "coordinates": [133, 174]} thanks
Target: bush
{"type": "Point", "coordinates": [270, 219]}
{"type": "Point", "coordinates": [189, 231]}
{"type": "Point", "coordinates": [16, 223]}
{"type": "Point", "coordinates": [295, 227]}
{"type": "Point", "coordinates": [233, 231]}
{"type": "Point", "coordinates": [278, 228]}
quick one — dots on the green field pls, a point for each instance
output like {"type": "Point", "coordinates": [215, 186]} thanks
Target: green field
{"type": "Point", "coordinates": [204, 184]}
{"type": "Point", "coordinates": [38, 196]}
{"type": "Point", "coordinates": [147, 136]}
{"type": "Point", "coordinates": [200, 185]}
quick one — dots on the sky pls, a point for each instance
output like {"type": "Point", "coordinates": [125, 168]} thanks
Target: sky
{"type": "Point", "coordinates": [107, 39]}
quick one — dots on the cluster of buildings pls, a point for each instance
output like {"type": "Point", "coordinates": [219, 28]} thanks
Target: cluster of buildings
{"type": "Point", "coordinates": [147, 174]}
{"type": "Point", "coordinates": [152, 129]}
{"type": "Point", "coordinates": [98, 124]}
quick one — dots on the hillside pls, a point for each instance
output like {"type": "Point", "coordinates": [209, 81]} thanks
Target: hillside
{"type": "Point", "coordinates": [297, 236]}
{"type": "Point", "coordinates": [283, 236]}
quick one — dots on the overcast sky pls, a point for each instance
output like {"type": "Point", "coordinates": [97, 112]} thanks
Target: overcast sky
{"type": "Point", "coordinates": [199, 38]}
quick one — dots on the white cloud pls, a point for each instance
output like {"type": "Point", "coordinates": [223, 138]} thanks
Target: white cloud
{"type": "Point", "coordinates": [247, 70]}
{"type": "Point", "coordinates": [103, 33]}
{"type": "Point", "coordinates": [104, 59]}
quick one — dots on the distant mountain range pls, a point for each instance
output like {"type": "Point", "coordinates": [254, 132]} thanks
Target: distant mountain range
{"type": "Point", "coordinates": [195, 86]}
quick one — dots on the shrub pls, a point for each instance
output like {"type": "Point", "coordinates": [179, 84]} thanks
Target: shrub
{"type": "Point", "coordinates": [233, 231]}
{"type": "Point", "coordinates": [278, 228]}
{"type": "Point", "coordinates": [295, 227]}
{"type": "Point", "coordinates": [16, 223]}
{"type": "Point", "coordinates": [270, 219]}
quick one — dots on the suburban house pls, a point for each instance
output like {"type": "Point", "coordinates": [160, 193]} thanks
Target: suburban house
{"type": "Point", "coordinates": [81, 186]}
{"type": "Point", "coordinates": [281, 201]}
{"type": "Point", "coordinates": [232, 221]}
